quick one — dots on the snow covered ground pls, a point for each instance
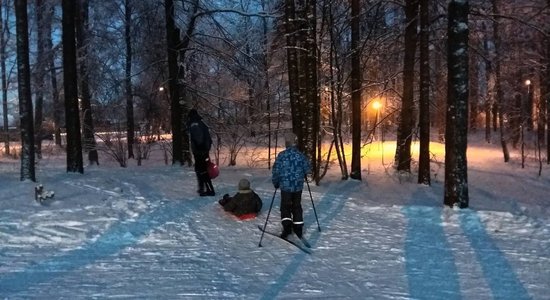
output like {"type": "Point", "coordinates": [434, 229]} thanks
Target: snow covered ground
{"type": "Point", "coordinates": [143, 233]}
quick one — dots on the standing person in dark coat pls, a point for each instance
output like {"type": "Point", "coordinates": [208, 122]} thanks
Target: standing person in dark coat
{"type": "Point", "coordinates": [289, 171]}
{"type": "Point", "coordinates": [201, 142]}
{"type": "Point", "coordinates": [245, 204]}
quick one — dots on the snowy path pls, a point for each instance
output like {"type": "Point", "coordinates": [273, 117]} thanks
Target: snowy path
{"type": "Point", "coordinates": [150, 239]}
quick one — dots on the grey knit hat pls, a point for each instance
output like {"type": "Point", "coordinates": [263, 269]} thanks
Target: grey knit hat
{"type": "Point", "coordinates": [290, 139]}
{"type": "Point", "coordinates": [244, 185]}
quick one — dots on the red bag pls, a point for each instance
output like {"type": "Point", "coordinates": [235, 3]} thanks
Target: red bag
{"type": "Point", "coordinates": [213, 170]}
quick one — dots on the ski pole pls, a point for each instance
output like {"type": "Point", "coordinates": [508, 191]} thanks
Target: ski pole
{"type": "Point", "coordinates": [312, 204]}
{"type": "Point", "coordinates": [267, 218]}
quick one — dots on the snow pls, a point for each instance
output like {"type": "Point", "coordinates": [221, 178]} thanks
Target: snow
{"type": "Point", "coordinates": [460, 26]}
{"type": "Point", "coordinates": [142, 232]}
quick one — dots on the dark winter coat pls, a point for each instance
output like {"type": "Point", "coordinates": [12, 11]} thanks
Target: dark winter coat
{"type": "Point", "coordinates": [290, 169]}
{"type": "Point", "coordinates": [199, 135]}
{"type": "Point", "coordinates": [244, 202]}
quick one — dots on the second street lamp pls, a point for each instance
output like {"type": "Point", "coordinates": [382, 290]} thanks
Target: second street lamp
{"type": "Point", "coordinates": [376, 105]}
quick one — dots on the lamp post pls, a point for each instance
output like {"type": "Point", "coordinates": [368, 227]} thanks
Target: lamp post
{"type": "Point", "coordinates": [529, 106]}
{"type": "Point", "coordinates": [523, 121]}
{"type": "Point", "coordinates": [376, 105]}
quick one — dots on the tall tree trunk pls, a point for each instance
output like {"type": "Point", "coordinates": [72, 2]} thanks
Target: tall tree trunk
{"type": "Point", "coordinates": [172, 38]}
{"type": "Point", "coordinates": [294, 28]}
{"type": "Point", "coordinates": [86, 105]}
{"type": "Point", "coordinates": [312, 128]}
{"type": "Point", "coordinates": [251, 107]}
{"type": "Point", "coordinates": [128, 82]}
{"type": "Point", "coordinates": [24, 92]}
{"type": "Point", "coordinates": [292, 58]}
{"type": "Point", "coordinates": [489, 96]}
{"type": "Point", "coordinates": [474, 90]}
{"type": "Point", "coordinates": [336, 107]}
{"type": "Point", "coordinates": [70, 82]}
{"type": "Point", "coordinates": [40, 72]}
{"type": "Point", "coordinates": [355, 91]}
{"type": "Point", "coordinates": [424, 111]}
{"type": "Point", "coordinates": [456, 132]}
{"type": "Point", "coordinates": [499, 101]}
{"type": "Point", "coordinates": [267, 91]}
{"type": "Point", "coordinates": [301, 44]}
{"type": "Point", "coordinates": [541, 111]}
{"type": "Point", "coordinates": [546, 84]}
{"type": "Point", "coordinates": [176, 59]}
{"type": "Point", "coordinates": [440, 93]}
{"type": "Point", "coordinates": [406, 122]}
{"type": "Point", "coordinates": [300, 113]}
{"type": "Point", "coordinates": [57, 107]}
{"type": "Point", "coordinates": [3, 42]}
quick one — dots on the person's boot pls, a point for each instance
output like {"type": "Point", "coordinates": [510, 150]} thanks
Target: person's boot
{"type": "Point", "coordinates": [298, 229]}
{"type": "Point", "coordinates": [287, 228]}
{"type": "Point", "coordinates": [201, 185]}
{"type": "Point", "coordinates": [209, 187]}
{"type": "Point", "coordinates": [207, 193]}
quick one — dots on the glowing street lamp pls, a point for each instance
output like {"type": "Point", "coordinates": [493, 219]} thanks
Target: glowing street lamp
{"type": "Point", "coordinates": [161, 89]}
{"type": "Point", "coordinates": [376, 105]}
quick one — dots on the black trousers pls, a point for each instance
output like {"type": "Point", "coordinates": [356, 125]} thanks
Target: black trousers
{"type": "Point", "coordinates": [202, 172]}
{"type": "Point", "coordinates": [292, 216]}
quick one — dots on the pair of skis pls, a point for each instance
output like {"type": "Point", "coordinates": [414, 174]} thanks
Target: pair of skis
{"type": "Point", "coordinates": [304, 245]}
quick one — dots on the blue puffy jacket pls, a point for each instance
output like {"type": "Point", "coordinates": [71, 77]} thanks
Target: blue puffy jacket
{"type": "Point", "coordinates": [290, 169]}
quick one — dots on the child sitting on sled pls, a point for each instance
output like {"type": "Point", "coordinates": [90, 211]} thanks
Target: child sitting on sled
{"type": "Point", "coordinates": [245, 204]}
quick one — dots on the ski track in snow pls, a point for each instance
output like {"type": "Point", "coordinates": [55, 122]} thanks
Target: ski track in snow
{"type": "Point", "coordinates": [150, 239]}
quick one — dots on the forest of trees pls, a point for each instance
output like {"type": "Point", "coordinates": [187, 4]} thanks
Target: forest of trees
{"type": "Point", "coordinates": [111, 77]}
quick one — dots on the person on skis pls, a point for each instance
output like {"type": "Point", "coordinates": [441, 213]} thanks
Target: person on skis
{"type": "Point", "coordinates": [288, 173]}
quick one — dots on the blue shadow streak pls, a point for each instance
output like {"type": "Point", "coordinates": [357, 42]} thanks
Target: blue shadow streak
{"type": "Point", "coordinates": [499, 274]}
{"type": "Point", "coordinates": [325, 203]}
{"type": "Point", "coordinates": [118, 237]}
{"type": "Point", "coordinates": [430, 265]}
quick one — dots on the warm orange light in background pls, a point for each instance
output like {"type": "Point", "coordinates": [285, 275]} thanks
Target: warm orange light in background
{"type": "Point", "coordinates": [376, 105]}
{"type": "Point", "coordinates": [527, 82]}
{"type": "Point", "coordinates": [161, 88]}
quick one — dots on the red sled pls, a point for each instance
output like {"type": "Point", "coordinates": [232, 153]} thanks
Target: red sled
{"type": "Point", "coordinates": [248, 216]}
{"type": "Point", "coordinates": [244, 217]}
